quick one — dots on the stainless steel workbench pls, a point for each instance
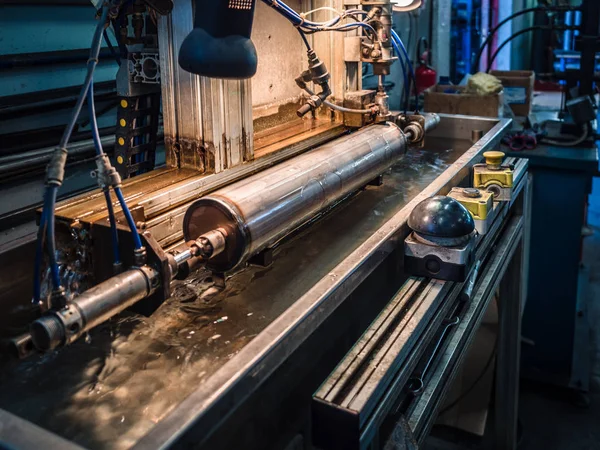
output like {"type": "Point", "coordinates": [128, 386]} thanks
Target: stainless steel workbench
{"type": "Point", "coordinates": [242, 367]}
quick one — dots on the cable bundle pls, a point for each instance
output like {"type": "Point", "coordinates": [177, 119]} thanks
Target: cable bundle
{"type": "Point", "coordinates": [55, 175]}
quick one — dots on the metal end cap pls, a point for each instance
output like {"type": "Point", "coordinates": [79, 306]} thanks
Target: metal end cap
{"type": "Point", "coordinates": [47, 332]}
{"type": "Point", "coordinates": [441, 216]}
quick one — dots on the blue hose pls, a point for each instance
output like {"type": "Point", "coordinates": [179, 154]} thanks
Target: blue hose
{"type": "Point", "coordinates": [406, 83]}
{"type": "Point", "coordinates": [137, 242]}
{"type": "Point", "coordinates": [53, 190]}
{"type": "Point", "coordinates": [39, 249]}
{"type": "Point", "coordinates": [410, 67]}
{"type": "Point", "coordinates": [99, 152]}
{"type": "Point", "coordinates": [93, 121]}
{"type": "Point", "coordinates": [113, 227]}
{"type": "Point", "coordinates": [92, 62]}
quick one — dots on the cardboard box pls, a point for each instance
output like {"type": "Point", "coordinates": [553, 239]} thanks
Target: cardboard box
{"type": "Point", "coordinates": [438, 101]}
{"type": "Point", "coordinates": [518, 89]}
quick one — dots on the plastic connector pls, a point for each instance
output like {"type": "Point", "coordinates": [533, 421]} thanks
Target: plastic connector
{"type": "Point", "coordinates": [105, 174]}
{"type": "Point", "coordinates": [55, 172]}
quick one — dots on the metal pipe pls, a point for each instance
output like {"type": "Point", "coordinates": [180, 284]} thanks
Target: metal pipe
{"type": "Point", "coordinates": [432, 120]}
{"type": "Point", "coordinates": [17, 162]}
{"type": "Point", "coordinates": [14, 106]}
{"type": "Point", "coordinates": [258, 211]}
{"type": "Point", "coordinates": [93, 307]}
{"type": "Point", "coordinates": [58, 57]}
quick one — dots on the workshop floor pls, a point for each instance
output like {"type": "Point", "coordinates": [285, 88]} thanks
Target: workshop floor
{"type": "Point", "coordinates": [550, 419]}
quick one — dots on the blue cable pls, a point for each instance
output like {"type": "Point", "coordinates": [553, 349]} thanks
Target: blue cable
{"type": "Point", "coordinates": [354, 25]}
{"type": "Point", "coordinates": [39, 249]}
{"type": "Point", "coordinates": [99, 152]}
{"type": "Point", "coordinates": [92, 62]}
{"type": "Point", "coordinates": [137, 242]}
{"type": "Point", "coordinates": [53, 190]}
{"type": "Point", "coordinates": [93, 121]}
{"type": "Point", "coordinates": [406, 83]}
{"type": "Point", "coordinates": [113, 227]}
{"type": "Point", "coordinates": [410, 67]}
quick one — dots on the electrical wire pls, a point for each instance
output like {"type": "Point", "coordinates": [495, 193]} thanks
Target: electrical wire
{"type": "Point", "coordinates": [494, 30]}
{"type": "Point", "coordinates": [308, 26]}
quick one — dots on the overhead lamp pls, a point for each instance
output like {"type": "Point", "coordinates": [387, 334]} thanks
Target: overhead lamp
{"type": "Point", "coordinates": [406, 5]}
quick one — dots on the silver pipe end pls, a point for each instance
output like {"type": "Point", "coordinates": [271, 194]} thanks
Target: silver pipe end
{"type": "Point", "coordinates": [47, 332]}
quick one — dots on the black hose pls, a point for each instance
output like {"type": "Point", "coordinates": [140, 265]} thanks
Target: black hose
{"type": "Point", "coordinates": [303, 36]}
{"type": "Point", "coordinates": [494, 30]}
{"type": "Point", "coordinates": [111, 48]}
{"type": "Point", "coordinates": [519, 33]}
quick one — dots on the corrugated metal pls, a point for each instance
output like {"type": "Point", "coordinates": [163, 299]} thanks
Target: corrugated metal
{"type": "Point", "coordinates": [206, 124]}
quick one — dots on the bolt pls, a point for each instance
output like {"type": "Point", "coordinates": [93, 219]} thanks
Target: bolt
{"type": "Point", "coordinates": [471, 192]}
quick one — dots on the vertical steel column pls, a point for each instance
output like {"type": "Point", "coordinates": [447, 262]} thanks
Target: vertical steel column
{"type": "Point", "coordinates": [441, 36]}
{"type": "Point", "coordinates": [503, 60]}
{"type": "Point", "coordinates": [207, 122]}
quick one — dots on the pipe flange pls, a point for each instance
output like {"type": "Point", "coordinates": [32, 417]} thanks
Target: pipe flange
{"type": "Point", "coordinates": [57, 328]}
{"type": "Point", "coordinates": [152, 278]}
{"type": "Point", "coordinates": [415, 132]}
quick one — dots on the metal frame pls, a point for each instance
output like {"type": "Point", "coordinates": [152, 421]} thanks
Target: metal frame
{"type": "Point", "coordinates": [197, 418]}
{"type": "Point", "coordinates": [215, 399]}
{"type": "Point", "coordinates": [370, 383]}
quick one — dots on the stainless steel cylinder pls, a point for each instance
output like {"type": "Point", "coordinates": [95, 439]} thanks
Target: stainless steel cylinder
{"type": "Point", "coordinates": [93, 307]}
{"type": "Point", "coordinates": [259, 210]}
{"type": "Point", "coordinates": [432, 120]}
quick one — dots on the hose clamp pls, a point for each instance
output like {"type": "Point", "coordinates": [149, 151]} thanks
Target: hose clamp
{"type": "Point", "coordinates": [55, 171]}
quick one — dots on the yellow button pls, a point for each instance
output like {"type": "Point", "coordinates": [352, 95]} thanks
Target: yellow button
{"type": "Point", "coordinates": [120, 159]}
{"type": "Point", "coordinates": [124, 104]}
{"type": "Point", "coordinates": [123, 123]}
{"type": "Point", "coordinates": [493, 158]}
{"type": "Point", "coordinates": [121, 141]}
